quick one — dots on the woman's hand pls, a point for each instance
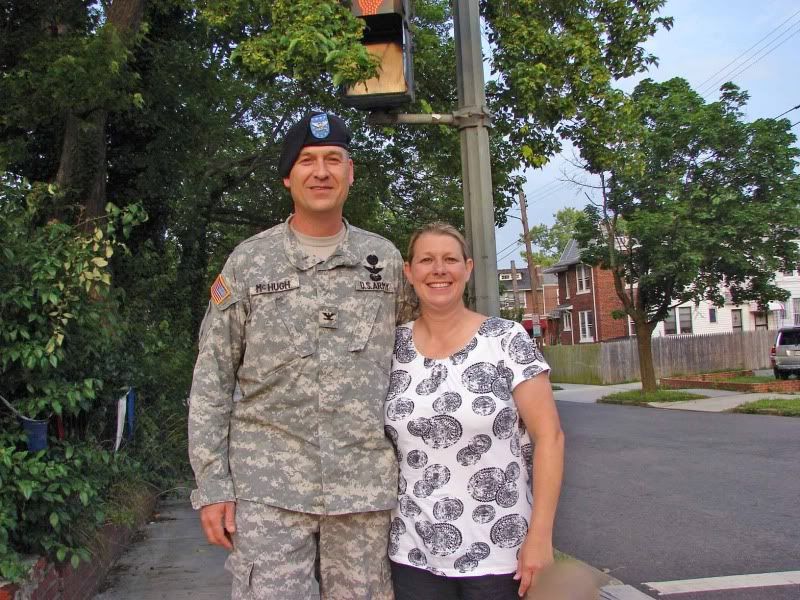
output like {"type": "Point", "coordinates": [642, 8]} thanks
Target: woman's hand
{"type": "Point", "coordinates": [535, 554]}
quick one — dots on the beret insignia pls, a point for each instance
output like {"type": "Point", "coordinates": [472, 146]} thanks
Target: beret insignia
{"type": "Point", "coordinates": [319, 126]}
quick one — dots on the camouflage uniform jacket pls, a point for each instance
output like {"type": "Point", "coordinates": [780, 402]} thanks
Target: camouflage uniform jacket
{"type": "Point", "coordinates": [310, 345]}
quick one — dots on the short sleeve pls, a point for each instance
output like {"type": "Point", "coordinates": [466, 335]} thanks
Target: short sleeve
{"type": "Point", "coordinates": [522, 356]}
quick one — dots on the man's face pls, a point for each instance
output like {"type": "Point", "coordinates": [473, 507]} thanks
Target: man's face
{"type": "Point", "coordinates": [320, 180]}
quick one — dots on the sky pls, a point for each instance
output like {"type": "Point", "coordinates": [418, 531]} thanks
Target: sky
{"type": "Point", "coordinates": [754, 44]}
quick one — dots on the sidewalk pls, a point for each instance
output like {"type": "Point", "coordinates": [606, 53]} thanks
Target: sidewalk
{"type": "Point", "coordinates": [170, 559]}
{"type": "Point", "coordinates": [717, 401]}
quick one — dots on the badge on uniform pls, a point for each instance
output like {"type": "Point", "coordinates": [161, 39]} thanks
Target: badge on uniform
{"type": "Point", "coordinates": [220, 290]}
{"type": "Point", "coordinates": [319, 126]}
{"type": "Point", "coordinates": [372, 268]}
{"type": "Point", "coordinates": [329, 318]}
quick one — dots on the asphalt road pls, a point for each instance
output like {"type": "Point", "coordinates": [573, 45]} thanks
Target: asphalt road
{"type": "Point", "coordinates": [659, 495]}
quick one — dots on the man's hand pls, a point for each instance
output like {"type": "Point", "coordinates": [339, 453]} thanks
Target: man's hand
{"type": "Point", "coordinates": [219, 523]}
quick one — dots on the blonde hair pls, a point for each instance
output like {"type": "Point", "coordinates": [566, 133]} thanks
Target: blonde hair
{"type": "Point", "coordinates": [409, 304]}
{"type": "Point", "coordinates": [437, 228]}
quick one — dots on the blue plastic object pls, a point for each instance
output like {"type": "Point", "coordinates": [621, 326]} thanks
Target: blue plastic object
{"type": "Point", "coordinates": [130, 415]}
{"type": "Point", "coordinates": [36, 431]}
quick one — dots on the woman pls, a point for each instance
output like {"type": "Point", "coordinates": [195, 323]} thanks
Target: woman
{"type": "Point", "coordinates": [468, 394]}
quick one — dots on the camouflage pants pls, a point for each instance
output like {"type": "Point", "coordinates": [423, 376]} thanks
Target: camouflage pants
{"type": "Point", "coordinates": [275, 550]}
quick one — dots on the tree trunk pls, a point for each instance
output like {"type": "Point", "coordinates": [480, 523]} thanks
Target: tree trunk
{"type": "Point", "coordinates": [644, 343]}
{"type": "Point", "coordinates": [82, 168]}
{"type": "Point", "coordinates": [96, 159]}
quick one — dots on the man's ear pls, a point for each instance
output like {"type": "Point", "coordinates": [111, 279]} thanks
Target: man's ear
{"type": "Point", "coordinates": [286, 182]}
{"type": "Point", "coordinates": [352, 172]}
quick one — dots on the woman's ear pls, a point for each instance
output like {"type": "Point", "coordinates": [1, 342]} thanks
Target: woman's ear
{"type": "Point", "coordinates": [470, 266]}
{"type": "Point", "coordinates": [407, 272]}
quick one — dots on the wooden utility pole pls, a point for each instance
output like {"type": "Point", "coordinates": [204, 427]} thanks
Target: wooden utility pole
{"type": "Point", "coordinates": [533, 271]}
{"type": "Point", "coordinates": [515, 287]}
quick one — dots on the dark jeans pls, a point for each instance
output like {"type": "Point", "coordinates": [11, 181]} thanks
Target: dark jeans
{"type": "Point", "coordinates": [411, 583]}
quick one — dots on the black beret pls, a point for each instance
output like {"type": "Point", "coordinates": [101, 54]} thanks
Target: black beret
{"type": "Point", "coordinates": [315, 129]}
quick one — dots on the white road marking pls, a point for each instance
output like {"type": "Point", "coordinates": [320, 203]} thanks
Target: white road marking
{"type": "Point", "coordinates": [731, 582]}
{"type": "Point", "coordinates": [622, 592]}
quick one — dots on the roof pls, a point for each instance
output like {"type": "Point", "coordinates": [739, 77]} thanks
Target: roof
{"type": "Point", "coordinates": [570, 256]}
{"type": "Point", "coordinates": [525, 282]}
{"type": "Point", "coordinates": [522, 284]}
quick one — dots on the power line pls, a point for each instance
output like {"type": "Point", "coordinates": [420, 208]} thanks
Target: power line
{"type": "Point", "coordinates": [508, 254]}
{"type": "Point", "coordinates": [546, 188]}
{"type": "Point", "coordinates": [514, 243]}
{"type": "Point", "coordinates": [542, 193]}
{"type": "Point", "coordinates": [758, 58]}
{"type": "Point", "coordinates": [786, 112]}
{"type": "Point", "coordinates": [769, 34]}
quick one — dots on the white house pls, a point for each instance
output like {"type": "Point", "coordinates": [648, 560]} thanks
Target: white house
{"type": "Point", "coordinates": [706, 318]}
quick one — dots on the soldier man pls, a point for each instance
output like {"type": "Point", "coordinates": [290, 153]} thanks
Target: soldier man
{"type": "Point", "coordinates": [302, 318]}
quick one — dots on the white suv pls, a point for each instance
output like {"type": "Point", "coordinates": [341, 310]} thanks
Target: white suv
{"type": "Point", "coordinates": [785, 354]}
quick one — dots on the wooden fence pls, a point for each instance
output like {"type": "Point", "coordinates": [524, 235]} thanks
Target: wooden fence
{"type": "Point", "coordinates": [618, 361]}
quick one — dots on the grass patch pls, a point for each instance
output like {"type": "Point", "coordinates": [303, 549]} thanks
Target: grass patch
{"type": "Point", "coordinates": [556, 387]}
{"type": "Point", "coordinates": [785, 407]}
{"type": "Point", "coordinates": [640, 398]}
{"type": "Point", "coordinates": [750, 379]}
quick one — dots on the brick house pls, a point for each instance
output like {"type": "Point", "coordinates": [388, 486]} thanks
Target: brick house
{"type": "Point", "coordinates": [587, 299]}
{"type": "Point", "coordinates": [535, 301]}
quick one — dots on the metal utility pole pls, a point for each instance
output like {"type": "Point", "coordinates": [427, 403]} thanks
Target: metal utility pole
{"type": "Point", "coordinates": [473, 122]}
{"type": "Point", "coordinates": [515, 287]}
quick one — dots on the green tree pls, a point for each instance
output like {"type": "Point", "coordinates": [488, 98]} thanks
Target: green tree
{"type": "Point", "coordinates": [550, 59]}
{"type": "Point", "coordinates": [551, 241]}
{"type": "Point", "coordinates": [694, 200]}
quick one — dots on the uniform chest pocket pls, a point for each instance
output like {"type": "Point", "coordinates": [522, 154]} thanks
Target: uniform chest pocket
{"type": "Point", "coordinates": [277, 332]}
{"type": "Point", "coordinates": [364, 322]}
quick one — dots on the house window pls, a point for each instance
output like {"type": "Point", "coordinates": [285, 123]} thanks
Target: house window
{"type": "Point", "coordinates": [631, 328]}
{"type": "Point", "coordinates": [566, 284]}
{"type": "Point", "coordinates": [736, 319]}
{"type": "Point", "coordinates": [584, 278]}
{"type": "Point", "coordinates": [670, 325]}
{"type": "Point", "coordinates": [505, 276]}
{"type": "Point", "coordinates": [796, 310]}
{"type": "Point", "coordinates": [680, 322]}
{"type": "Point", "coordinates": [566, 321]}
{"type": "Point", "coordinates": [685, 319]}
{"type": "Point", "coordinates": [761, 320]}
{"type": "Point", "coordinates": [712, 315]}
{"type": "Point", "coordinates": [523, 297]}
{"type": "Point", "coordinates": [587, 325]}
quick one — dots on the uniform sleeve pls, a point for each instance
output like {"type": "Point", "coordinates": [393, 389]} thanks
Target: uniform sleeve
{"type": "Point", "coordinates": [221, 348]}
{"type": "Point", "coordinates": [522, 356]}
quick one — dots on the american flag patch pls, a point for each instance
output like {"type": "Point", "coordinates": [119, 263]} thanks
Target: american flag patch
{"type": "Point", "coordinates": [219, 290]}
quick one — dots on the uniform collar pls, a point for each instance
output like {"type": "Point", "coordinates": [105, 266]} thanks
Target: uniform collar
{"type": "Point", "coordinates": [342, 256]}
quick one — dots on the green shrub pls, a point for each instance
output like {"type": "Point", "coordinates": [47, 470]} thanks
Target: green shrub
{"type": "Point", "coordinates": [62, 352]}
{"type": "Point", "coordinates": [52, 501]}
{"type": "Point", "coordinates": [56, 283]}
